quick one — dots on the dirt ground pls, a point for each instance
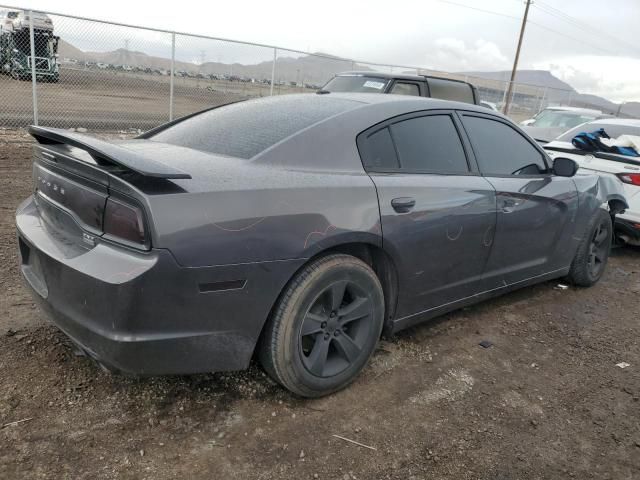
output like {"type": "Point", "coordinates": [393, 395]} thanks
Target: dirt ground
{"type": "Point", "coordinates": [545, 401]}
{"type": "Point", "coordinates": [117, 100]}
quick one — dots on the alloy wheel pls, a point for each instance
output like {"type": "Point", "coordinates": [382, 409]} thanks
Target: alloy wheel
{"type": "Point", "coordinates": [335, 329]}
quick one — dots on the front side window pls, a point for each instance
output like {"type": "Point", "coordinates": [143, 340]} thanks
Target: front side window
{"type": "Point", "coordinates": [501, 150]}
{"type": "Point", "coordinates": [430, 144]}
{"type": "Point", "coordinates": [403, 88]}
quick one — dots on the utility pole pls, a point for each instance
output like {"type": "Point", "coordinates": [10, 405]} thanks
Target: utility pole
{"type": "Point", "coordinates": [515, 61]}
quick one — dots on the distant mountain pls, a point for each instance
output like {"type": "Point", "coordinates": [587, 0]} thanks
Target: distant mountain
{"type": "Point", "coordinates": [303, 69]}
{"type": "Point", "coordinates": [317, 70]}
{"type": "Point", "coordinates": [556, 88]}
{"type": "Point", "coordinates": [541, 78]}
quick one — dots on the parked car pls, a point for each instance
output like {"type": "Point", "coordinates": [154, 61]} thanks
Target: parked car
{"type": "Point", "coordinates": [622, 167]}
{"type": "Point", "coordinates": [415, 85]}
{"type": "Point", "coordinates": [554, 121]}
{"type": "Point", "coordinates": [200, 243]}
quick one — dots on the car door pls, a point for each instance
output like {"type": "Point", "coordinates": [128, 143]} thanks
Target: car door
{"type": "Point", "coordinates": [437, 213]}
{"type": "Point", "coordinates": [535, 209]}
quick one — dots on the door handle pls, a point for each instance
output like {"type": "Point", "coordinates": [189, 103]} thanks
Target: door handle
{"type": "Point", "coordinates": [403, 204]}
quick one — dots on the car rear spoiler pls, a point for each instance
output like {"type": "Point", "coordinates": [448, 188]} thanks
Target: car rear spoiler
{"type": "Point", "coordinates": [106, 152]}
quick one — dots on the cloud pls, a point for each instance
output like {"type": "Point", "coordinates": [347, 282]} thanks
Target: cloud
{"type": "Point", "coordinates": [453, 54]}
{"type": "Point", "coordinates": [615, 78]}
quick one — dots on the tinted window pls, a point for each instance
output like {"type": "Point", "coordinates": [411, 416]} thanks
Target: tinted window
{"type": "Point", "coordinates": [401, 88]}
{"type": "Point", "coordinates": [501, 150]}
{"type": "Point", "coordinates": [429, 143]}
{"type": "Point", "coordinates": [379, 152]}
{"type": "Point", "coordinates": [245, 129]}
{"type": "Point", "coordinates": [448, 90]}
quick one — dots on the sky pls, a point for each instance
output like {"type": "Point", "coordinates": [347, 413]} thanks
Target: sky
{"type": "Point", "coordinates": [587, 43]}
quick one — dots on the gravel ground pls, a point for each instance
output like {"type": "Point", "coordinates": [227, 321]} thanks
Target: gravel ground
{"type": "Point", "coordinates": [545, 401]}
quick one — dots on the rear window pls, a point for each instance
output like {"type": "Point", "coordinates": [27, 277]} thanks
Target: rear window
{"type": "Point", "coordinates": [614, 131]}
{"type": "Point", "coordinates": [450, 90]}
{"type": "Point", "coordinates": [356, 83]}
{"type": "Point", "coordinates": [245, 129]}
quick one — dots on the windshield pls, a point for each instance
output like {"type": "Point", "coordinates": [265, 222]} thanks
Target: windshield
{"type": "Point", "coordinates": [356, 83]}
{"type": "Point", "coordinates": [614, 131]}
{"type": "Point", "coordinates": [560, 118]}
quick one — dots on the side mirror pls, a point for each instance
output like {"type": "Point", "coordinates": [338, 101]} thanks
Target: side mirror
{"type": "Point", "coordinates": [564, 167]}
{"type": "Point", "coordinates": [526, 123]}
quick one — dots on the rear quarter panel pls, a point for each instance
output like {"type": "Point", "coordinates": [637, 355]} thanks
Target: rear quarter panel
{"type": "Point", "coordinates": [272, 214]}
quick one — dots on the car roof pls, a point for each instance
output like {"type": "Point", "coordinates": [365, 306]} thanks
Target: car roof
{"type": "Point", "coordinates": [401, 76]}
{"type": "Point", "coordinates": [575, 110]}
{"type": "Point", "coordinates": [629, 122]}
{"type": "Point", "coordinates": [410, 102]}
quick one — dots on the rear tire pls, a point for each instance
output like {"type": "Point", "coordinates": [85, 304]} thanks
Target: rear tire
{"type": "Point", "coordinates": [593, 252]}
{"type": "Point", "coordinates": [324, 327]}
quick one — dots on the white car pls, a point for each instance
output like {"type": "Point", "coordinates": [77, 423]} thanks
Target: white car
{"type": "Point", "coordinates": [625, 168]}
{"type": "Point", "coordinates": [554, 121]}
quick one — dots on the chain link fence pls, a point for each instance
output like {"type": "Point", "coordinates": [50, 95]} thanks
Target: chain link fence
{"type": "Point", "coordinates": [71, 72]}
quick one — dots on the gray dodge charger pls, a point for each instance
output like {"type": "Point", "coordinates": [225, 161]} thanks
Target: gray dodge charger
{"type": "Point", "coordinates": [296, 229]}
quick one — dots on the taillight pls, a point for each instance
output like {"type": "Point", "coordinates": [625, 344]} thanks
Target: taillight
{"type": "Point", "coordinates": [630, 178]}
{"type": "Point", "coordinates": [124, 222]}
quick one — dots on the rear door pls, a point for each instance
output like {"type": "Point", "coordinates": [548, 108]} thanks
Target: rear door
{"type": "Point", "coordinates": [535, 209]}
{"type": "Point", "coordinates": [438, 214]}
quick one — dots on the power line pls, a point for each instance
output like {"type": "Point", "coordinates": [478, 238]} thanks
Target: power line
{"type": "Point", "coordinates": [539, 25]}
{"type": "Point", "coordinates": [469, 7]}
{"type": "Point", "coordinates": [597, 47]}
{"type": "Point", "coordinates": [554, 12]}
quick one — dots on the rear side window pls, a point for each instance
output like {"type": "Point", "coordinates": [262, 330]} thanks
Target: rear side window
{"type": "Point", "coordinates": [448, 90]}
{"type": "Point", "coordinates": [245, 129]}
{"type": "Point", "coordinates": [429, 143]}
{"type": "Point", "coordinates": [379, 152]}
{"type": "Point", "coordinates": [404, 88]}
{"type": "Point", "coordinates": [501, 150]}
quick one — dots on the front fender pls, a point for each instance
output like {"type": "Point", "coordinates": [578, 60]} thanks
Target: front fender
{"type": "Point", "coordinates": [596, 192]}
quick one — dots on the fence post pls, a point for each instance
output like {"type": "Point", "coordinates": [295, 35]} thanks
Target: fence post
{"type": "Point", "coordinates": [173, 61]}
{"type": "Point", "coordinates": [33, 69]}
{"type": "Point", "coordinates": [273, 70]}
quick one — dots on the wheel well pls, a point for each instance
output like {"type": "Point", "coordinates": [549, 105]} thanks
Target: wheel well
{"type": "Point", "coordinates": [616, 207]}
{"type": "Point", "coordinates": [372, 255]}
{"type": "Point", "coordinates": [382, 265]}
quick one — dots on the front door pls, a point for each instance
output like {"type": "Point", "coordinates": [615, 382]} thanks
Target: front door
{"type": "Point", "coordinates": [535, 209]}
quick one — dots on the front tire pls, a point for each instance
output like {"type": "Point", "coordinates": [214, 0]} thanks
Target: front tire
{"type": "Point", "coordinates": [593, 252]}
{"type": "Point", "coordinates": [324, 327]}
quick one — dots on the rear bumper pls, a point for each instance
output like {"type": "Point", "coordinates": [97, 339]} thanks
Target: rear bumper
{"type": "Point", "coordinates": [142, 313]}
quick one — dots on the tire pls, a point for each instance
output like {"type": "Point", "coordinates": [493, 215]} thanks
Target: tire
{"type": "Point", "coordinates": [333, 309]}
{"type": "Point", "coordinates": [593, 252]}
